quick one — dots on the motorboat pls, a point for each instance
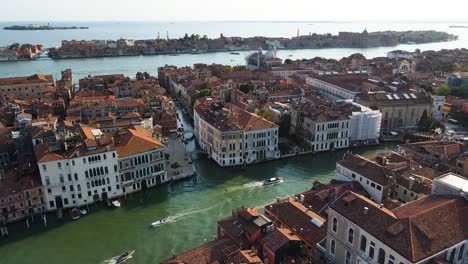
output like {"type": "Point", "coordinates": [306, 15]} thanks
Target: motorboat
{"type": "Point", "coordinates": [75, 214]}
{"type": "Point", "coordinates": [83, 212]}
{"type": "Point", "coordinates": [116, 203]}
{"type": "Point", "coordinates": [271, 181]}
{"type": "Point", "coordinates": [159, 222]}
{"type": "Point", "coordinates": [124, 257]}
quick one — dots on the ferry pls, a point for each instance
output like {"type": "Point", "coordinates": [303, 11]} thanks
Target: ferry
{"type": "Point", "coordinates": [271, 181]}
{"type": "Point", "coordinates": [124, 257]}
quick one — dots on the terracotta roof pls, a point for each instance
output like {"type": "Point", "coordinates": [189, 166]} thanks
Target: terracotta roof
{"type": "Point", "coordinates": [298, 218]}
{"type": "Point", "coordinates": [416, 230]}
{"type": "Point", "coordinates": [218, 251]}
{"type": "Point", "coordinates": [137, 141]}
{"type": "Point", "coordinates": [278, 238]}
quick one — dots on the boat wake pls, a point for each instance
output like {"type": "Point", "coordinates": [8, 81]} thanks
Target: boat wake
{"type": "Point", "coordinates": [248, 185]}
{"type": "Point", "coordinates": [177, 217]}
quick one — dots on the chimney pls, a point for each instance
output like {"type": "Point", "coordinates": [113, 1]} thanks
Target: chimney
{"type": "Point", "coordinates": [302, 198]}
{"type": "Point", "coordinates": [77, 153]}
{"type": "Point", "coordinates": [411, 183]}
{"type": "Point", "coordinates": [66, 146]}
{"type": "Point", "coordinates": [366, 210]}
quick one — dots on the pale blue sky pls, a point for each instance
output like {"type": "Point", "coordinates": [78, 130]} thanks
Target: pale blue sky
{"type": "Point", "coordinates": [202, 10]}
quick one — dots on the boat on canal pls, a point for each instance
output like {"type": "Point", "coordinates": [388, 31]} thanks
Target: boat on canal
{"type": "Point", "coordinates": [274, 180]}
{"type": "Point", "coordinates": [116, 203]}
{"type": "Point", "coordinates": [159, 222]}
{"type": "Point", "coordinates": [124, 257]}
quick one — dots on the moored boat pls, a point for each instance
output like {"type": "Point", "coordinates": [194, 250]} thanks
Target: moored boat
{"type": "Point", "coordinates": [116, 203]}
{"type": "Point", "coordinates": [75, 214]}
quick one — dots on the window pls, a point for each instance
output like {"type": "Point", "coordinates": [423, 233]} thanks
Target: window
{"type": "Point", "coordinates": [51, 203]}
{"type": "Point", "coordinates": [350, 236]}
{"type": "Point", "coordinates": [332, 247]}
{"type": "Point", "coordinates": [65, 201]}
{"type": "Point", "coordinates": [44, 167]}
{"type": "Point", "coordinates": [69, 177]}
{"type": "Point", "coordinates": [76, 176]}
{"type": "Point", "coordinates": [363, 243]}
{"type": "Point", "coordinates": [381, 257]}
{"type": "Point", "coordinates": [348, 257]}
{"type": "Point", "coordinates": [61, 178]}
{"type": "Point", "coordinates": [460, 252]}
{"type": "Point", "coordinates": [59, 165]}
{"type": "Point", "coordinates": [371, 250]}
{"type": "Point", "coordinates": [391, 259]}
{"type": "Point", "coordinates": [47, 180]}
{"type": "Point", "coordinates": [73, 162]}
{"type": "Point", "coordinates": [113, 154]}
{"type": "Point", "coordinates": [334, 225]}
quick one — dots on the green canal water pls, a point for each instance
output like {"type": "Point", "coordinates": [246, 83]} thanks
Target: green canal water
{"type": "Point", "coordinates": [192, 208]}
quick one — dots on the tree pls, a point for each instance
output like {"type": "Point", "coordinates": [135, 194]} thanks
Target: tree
{"type": "Point", "coordinates": [284, 125]}
{"type": "Point", "coordinates": [140, 76]}
{"type": "Point", "coordinates": [246, 87]}
{"type": "Point", "coordinates": [204, 92]}
{"type": "Point", "coordinates": [429, 123]}
{"type": "Point", "coordinates": [288, 61]}
{"type": "Point", "coordinates": [444, 90]}
{"type": "Point", "coordinates": [239, 68]}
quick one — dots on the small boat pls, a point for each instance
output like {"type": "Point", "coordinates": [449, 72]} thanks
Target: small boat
{"type": "Point", "coordinates": [159, 222]}
{"type": "Point", "coordinates": [124, 257]}
{"type": "Point", "coordinates": [116, 203]}
{"type": "Point", "coordinates": [83, 212]}
{"type": "Point", "coordinates": [234, 53]}
{"type": "Point", "coordinates": [274, 180]}
{"type": "Point", "coordinates": [75, 214]}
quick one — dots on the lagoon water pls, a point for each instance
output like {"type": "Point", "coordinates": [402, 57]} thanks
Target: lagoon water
{"type": "Point", "coordinates": [148, 30]}
{"type": "Point", "coordinates": [193, 208]}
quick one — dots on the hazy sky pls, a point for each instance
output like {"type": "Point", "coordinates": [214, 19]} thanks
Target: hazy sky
{"type": "Point", "coordinates": [202, 10]}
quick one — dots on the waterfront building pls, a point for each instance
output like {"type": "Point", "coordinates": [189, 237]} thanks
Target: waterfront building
{"type": "Point", "coordinates": [232, 136]}
{"type": "Point", "coordinates": [141, 160]}
{"type": "Point", "coordinates": [79, 171]}
{"type": "Point", "coordinates": [8, 55]}
{"type": "Point", "coordinates": [399, 110]}
{"type": "Point", "coordinates": [20, 195]}
{"type": "Point", "coordinates": [325, 125]}
{"type": "Point", "coordinates": [88, 165]}
{"type": "Point", "coordinates": [29, 87]}
{"type": "Point", "coordinates": [429, 230]}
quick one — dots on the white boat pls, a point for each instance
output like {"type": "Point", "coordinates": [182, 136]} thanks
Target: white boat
{"type": "Point", "coordinates": [159, 222]}
{"type": "Point", "coordinates": [116, 203]}
{"type": "Point", "coordinates": [271, 181]}
{"type": "Point", "coordinates": [83, 212]}
{"type": "Point", "coordinates": [124, 257]}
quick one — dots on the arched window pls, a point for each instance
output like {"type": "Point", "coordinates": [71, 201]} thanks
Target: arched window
{"type": "Point", "coordinates": [332, 247]}
{"type": "Point", "coordinates": [334, 224]}
{"type": "Point", "coordinates": [460, 252]}
{"type": "Point", "coordinates": [363, 245]}
{"type": "Point", "coordinates": [381, 257]}
{"type": "Point", "coordinates": [350, 236]}
{"type": "Point", "coordinates": [348, 257]}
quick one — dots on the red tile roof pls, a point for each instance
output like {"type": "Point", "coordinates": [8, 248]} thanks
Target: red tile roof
{"type": "Point", "coordinates": [416, 230]}
{"type": "Point", "coordinates": [137, 141]}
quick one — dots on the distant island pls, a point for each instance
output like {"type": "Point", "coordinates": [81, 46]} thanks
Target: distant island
{"type": "Point", "coordinates": [202, 44]}
{"type": "Point", "coordinates": [458, 26]}
{"type": "Point", "coordinates": [41, 27]}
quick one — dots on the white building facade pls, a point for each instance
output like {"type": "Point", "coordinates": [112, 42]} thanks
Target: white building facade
{"type": "Point", "coordinates": [365, 126]}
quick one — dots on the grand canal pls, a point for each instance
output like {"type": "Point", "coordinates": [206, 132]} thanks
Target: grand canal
{"type": "Point", "coordinates": [192, 209]}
